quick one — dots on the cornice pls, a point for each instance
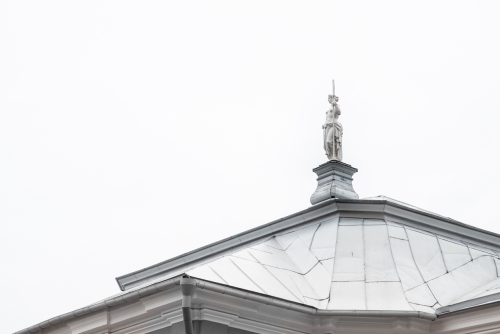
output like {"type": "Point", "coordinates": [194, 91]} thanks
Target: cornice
{"type": "Point", "coordinates": [471, 304]}
{"type": "Point", "coordinates": [264, 314]}
{"type": "Point", "coordinates": [478, 319]}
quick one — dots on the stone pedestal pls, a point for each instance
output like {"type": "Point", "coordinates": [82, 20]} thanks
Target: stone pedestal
{"type": "Point", "coordinates": [334, 181]}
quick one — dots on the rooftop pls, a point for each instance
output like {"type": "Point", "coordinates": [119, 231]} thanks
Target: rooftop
{"type": "Point", "coordinates": [337, 261]}
{"type": "Point", "coordinates": [375, 254]}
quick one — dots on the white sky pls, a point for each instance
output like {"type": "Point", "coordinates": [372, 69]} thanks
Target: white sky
{"type": "Point", "coordinates": [134, 131]}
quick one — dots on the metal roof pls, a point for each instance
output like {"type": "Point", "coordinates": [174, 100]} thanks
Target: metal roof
{"type": "Point", "coordinates": [361, 264]}
{"type": "Point", "coordinates": [332, 262]}
{"type": "Point", "coordinates": [378, 207]}
{"type": "Point", "coordinates": [377, 256]}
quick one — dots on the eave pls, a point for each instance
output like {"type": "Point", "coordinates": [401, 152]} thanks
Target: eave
{"type": "Point", "coordinates": [207, 293]}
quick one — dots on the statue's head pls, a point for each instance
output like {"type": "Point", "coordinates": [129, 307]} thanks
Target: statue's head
{"type": "Point", "coordinates": [333, 98]}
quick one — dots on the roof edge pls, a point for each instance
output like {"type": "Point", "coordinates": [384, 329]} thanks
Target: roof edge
{"type": "Point", "coordinates": [226, 290]}
{"type": "Point", "coordinates": [106, 303]}
{"type": "Point", "coordinates": [411, 208]}
{"type": "Point", "coordinates": [468, 304]}
{"type": "Point", "coordinates": [232, 242]}
{"type": "Point", "coordinates": [306, 309]}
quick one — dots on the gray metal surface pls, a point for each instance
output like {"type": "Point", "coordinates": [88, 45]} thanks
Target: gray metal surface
{"type": "Point", "coordinates": [493, 298]}
{"type": "Point", "coordinates": [361, 264]}
{"type": "Point", "coordinates": [230, 291]}
{"type": "Point", "coordinates": [334, 181]}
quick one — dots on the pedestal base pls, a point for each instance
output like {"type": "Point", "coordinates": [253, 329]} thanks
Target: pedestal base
{"type": "Point", "coordinates": [334, 181]}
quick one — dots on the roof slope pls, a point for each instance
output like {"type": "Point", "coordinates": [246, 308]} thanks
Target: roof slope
{"type": "Point", "coordinates": [370, 254]}
{"type": "Point", "coordinates": [360, 264]}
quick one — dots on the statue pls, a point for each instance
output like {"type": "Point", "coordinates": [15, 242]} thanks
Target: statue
{"type": "Point", "coordinates": [332, 130]}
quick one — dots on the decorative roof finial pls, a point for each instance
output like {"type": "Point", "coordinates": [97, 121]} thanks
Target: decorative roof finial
{"type": "Point", "coordinates": [332, 129]}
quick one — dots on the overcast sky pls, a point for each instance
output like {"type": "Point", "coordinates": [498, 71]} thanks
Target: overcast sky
{"type": "Point", "coordinates": [134, 131]}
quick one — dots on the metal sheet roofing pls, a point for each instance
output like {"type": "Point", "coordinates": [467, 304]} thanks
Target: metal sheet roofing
{"type": "Point", "coordinates": [361, 264]}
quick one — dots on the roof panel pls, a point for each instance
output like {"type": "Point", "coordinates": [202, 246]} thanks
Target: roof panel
{"type": "Point", "coordinates": [450, 287]}
{"type": "Point", "coordinates": [379, 265]}
{"type": "Point", "coordinates": [264, 279]}
{"type": "Point", "coordinates": [233, 275]}
{"type": "Point", "coordinates": [300, 254]}
{"type": "Point", "coordinates": [455, 254]}
{"type": "Point", "coordinates": [427, 254]}
{"type": "Point", "coordinates": [349, 264]}
{"type": "Point", "coordinates": [421, 295]}
{"type": "Point", "coordinates": [405, 264]}
{"type": "Point", "coordinates": [319, 278]}
{"type": "Point", "coordinates": [347, 296]}
{"type": "Point", "coordinates": [397, 232]}
{"type": "Point", "coordinates": [386, 296]}
{"type": "Point", "coordinates": [325, 239]}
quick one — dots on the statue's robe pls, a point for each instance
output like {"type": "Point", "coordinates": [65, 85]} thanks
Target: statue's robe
{"type": "Point", "coordinates": [337, 138]}
{"type": "Point", "coordinates": [328, 139]}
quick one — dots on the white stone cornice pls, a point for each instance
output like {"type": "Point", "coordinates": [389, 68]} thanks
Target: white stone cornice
{"type": "Point", "coordinates": [96, 323]}
{"type": "Point", "coordinates": [152, 324]}
{"type": "Point", "coordinates": [346, 325]}
{"type": "Point", "coordinates": [163, 309]}
{"type": "Point", "coordinates": [235, 321]}
{"type": "Point", "coordinates": [482, 319]}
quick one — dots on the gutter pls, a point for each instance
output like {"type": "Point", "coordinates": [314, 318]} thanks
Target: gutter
{"type": "Point", "coordinates": [480, 301]}
{"type": "Point", "coordinates": [189, 285]}
{"type": "Point", "coordinates": [288, 305]}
